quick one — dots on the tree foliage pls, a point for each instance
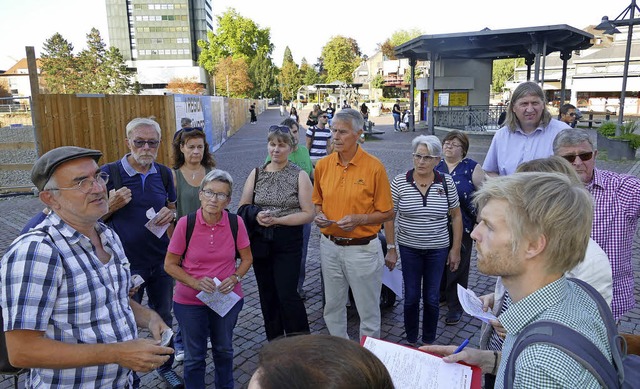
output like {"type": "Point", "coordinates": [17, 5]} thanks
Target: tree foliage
{"type": "Point", "coordinates": [397, 38]}
{"type": "Point", "coordinates": [186, 86]}
{"type": "Point", "coordinates": [59, 69]}
{"type": "Point", "coordinates": [503, 70]}
{"type": "Point", "coordinates": [4, 88]}
{"type": "Point", "coordinates": [234, 73]}
{"type": "Point", "coordinates": [340, 56]}
{"type": "Point", "coordinates": [236, 37]}
{"type": "Point", "coordinates": [95, 69]}
{"type": "Point", "coordinates": [309, 74]}
{"type": "Point", "coordinates": [263, 74]}
{"type": "Point", "coordinates": [289, 80]}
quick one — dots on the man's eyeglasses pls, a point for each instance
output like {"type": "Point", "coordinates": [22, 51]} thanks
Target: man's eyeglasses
{"type": "Point", "coordinates": [583, 157]}
{"type": "Point", "coordinates": [278, 128]}
{"type": "Point", "coordinates": [449, 144]}
{"type": "Point", "coordinates": [572, 114]}
{"type": "Point", "coordinates": [153, 144]}
{"type": "Point", "coordinates": [324, 117]}
{"type": "Point", "coordinates": [217, 195]}
{"type": "Point", "coordinates": [426, 158]}
{"type": "Point", "coordinates": [86, 185]}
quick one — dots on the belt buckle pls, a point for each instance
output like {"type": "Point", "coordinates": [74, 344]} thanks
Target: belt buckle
{"type": "Point", "coordinates": [341, 239]}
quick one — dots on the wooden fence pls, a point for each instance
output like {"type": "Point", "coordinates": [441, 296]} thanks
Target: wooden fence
{"type": "Point", "coordinates": [99, 122]}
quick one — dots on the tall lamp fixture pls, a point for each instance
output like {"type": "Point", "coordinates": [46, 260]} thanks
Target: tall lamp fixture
{"type": "Point", "coordinates": [609, 27]}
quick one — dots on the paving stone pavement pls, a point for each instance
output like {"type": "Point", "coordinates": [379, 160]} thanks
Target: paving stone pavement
{"type": "Point", "coordinates": [246, 150]}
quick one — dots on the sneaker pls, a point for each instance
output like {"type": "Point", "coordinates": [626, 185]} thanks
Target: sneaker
{"type": "Point", "coordinates": [179, 357]}
{"type": "Point", "coordinates": [171, 378]}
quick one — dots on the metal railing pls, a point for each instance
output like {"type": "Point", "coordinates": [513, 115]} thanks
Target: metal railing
{"type": "Point", "coordinates": [469, 118]}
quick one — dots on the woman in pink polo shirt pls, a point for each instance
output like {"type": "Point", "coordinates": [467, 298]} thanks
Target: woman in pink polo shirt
{"type": "Point", "coordinates": [210, 254]}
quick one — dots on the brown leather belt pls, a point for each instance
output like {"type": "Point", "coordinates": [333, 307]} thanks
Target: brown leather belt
{"type": "Point", "coordinates": [340, 241]}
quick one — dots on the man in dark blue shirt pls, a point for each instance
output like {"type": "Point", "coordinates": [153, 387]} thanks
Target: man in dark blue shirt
{"type": "Point", "coordinates": [142, 190]}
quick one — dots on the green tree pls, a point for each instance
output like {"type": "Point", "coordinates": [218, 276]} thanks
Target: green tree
{"type": "Point", "coordinates": [289, 80]}
{"type": "Point", "coordinates": [118, 76]}
{"type": "Point", "coordinates": [91, 65]}
{"type": "Point", "coordinates": [59, 68]}
{"type": "Point", "coordinates": [377, 82]}
{"type": "Point", "coordinates": [287, 57]}
{"type": "Point", "coordinates": [236, 37]}
{"type": "Point", "coordinates": [397, 38]}
{"type": "Point", "coordinates": [503, 70]}
{"type": "Point", "coordinates": [340, 56]}
{"type": "Point", "coordinates": [309, 74]}
{"type": "Point", "coordinates": [263, 73]}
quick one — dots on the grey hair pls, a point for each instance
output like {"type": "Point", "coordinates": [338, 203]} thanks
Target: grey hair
{"type": "Point", "coordinates": [51, 184]}
{"type": "Point", "coordinates": [571, 137]}
{"type": "Point", "coordinates": [143, 122]}
{"type": "Point", "coordinates": [431, 142]}
{"type": "Point", "coordinates": [185, 122]}
{"type": "Point", "coordinates": [352, 116]}
{"type": "Point", "coordinates": [525, 89]}
{"type": "Point", "coordinates": [219, 176]}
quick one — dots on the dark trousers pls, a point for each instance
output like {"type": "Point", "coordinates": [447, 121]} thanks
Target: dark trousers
{"type": "Point", "coordinates": [159, 287]}
{"type": "Point", "coordinates": [276, 262]}
{"type": "Point", "coordinates": [451, 279]}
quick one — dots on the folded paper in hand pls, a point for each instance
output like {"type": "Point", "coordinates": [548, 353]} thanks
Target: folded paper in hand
{"type": "Point", "coordinates": [221, 303]}
{"type": "Point", "coordinates": [473, 305]}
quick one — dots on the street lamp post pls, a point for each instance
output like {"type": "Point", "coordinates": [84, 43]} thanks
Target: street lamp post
{"type": "Point", "coordinates": [609, 27]}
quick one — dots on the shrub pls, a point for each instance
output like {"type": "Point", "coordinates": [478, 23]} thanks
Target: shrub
{"type": "Point", "coordinates": [607, 129]}
{"type": "Point", "coordinates": [634, 140]}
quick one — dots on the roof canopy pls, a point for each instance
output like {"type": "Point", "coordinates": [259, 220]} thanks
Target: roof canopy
{"type": "Point", "coordinates": [496, 44]}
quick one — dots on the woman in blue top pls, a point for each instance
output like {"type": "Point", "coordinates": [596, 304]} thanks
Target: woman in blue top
{"type": "Point", "coordinates": [468, 175]}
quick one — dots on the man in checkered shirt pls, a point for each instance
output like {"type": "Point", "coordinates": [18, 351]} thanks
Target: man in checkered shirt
{"type": "Point", "coordinates": [616, 210]}
{"type": "Point", "coordinates": [65, 286]}
{"type": "Point", "coordinates": [532, 228]}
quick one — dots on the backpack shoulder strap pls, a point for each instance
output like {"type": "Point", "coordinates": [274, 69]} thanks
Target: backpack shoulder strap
{"type": "Point", "coordinates": [444, 185]}
{"type": "Point", "coordinates": [255, 181]}
{"type": "Point", "coordinates": [570, 342]}
{"type": "Point", "coordinates": [114, 175]}
{"type": "Point", "coordinates": [165, 174]}
{"type": "Point", "coordinates": [191, 223]}
{"type": "Point", "coordinates": [233, 224]}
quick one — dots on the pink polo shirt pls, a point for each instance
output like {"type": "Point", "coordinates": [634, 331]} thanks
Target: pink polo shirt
{"type": "Point", "coordinates": [211, 253]}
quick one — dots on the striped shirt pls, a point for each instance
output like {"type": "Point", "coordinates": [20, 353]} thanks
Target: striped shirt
{"type": "Point", "coordinates": [52, 281]}
{"type": "Point", "coordinates": [541, 366]}
{"type": "Point", "coordinates": [319, 141]}
{"type": "Point", "coordinates": [421, 220]}
{"type": "Point", "coordinates": [616, 203]}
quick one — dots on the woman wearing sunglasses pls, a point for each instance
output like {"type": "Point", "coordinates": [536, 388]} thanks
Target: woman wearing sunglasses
{"type": "Point", "coordinates": [283, 192]}
{"type": "Point", "coordinates": [422, 199]}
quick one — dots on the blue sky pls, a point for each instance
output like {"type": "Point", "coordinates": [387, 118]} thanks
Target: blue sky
{"type": "Point", "coordinates": [303, 25]}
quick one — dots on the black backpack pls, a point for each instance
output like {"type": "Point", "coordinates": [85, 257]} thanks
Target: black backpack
{"type": "Point", "coordinates": [624, 372]}
{"type": "Point", "coordinates": [233, 224]}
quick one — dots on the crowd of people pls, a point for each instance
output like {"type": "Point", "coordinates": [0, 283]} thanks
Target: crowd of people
{"type": "Point", "coordinates": [537, 209]}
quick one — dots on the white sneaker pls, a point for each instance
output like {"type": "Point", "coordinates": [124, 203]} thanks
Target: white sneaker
{"type": "Point", "coordinates": [179, 356]}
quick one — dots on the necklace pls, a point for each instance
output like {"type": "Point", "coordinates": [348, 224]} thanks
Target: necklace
{"type": "Point", "coordinates": [193, 173]}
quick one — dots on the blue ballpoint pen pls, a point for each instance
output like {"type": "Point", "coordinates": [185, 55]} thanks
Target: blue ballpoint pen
{"type": "Point", "coordinates": [462, 346]}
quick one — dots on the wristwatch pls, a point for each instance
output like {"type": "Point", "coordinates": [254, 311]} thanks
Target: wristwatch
{"type": "Point", "coordinates": [238, 276]}
{"type": "Point", "coordinates": [391, 246]}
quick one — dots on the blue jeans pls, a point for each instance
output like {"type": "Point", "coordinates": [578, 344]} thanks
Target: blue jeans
{"type": "Point", "coordinates": [396, 121]}
{"type": "Point", "coordinates": [198, 322]}
{"type": "Point", "coordinates": [422, 269]}
{"type": "Point", "coordinates": [159, 287]}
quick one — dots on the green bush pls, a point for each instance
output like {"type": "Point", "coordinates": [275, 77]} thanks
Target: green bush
{"type": "Point", "coordinates": [628, 127]}
{"type": "Point", "coordinates": [634, 140]}
{"type": "Point", "coordinates": [607, 129]}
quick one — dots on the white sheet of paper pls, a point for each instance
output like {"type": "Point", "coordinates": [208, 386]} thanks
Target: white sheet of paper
{"type": "Point", "coordinates": [151, 226]}
{"type": "Point", "coordinates": [410, 368]}
{"type": "Point", "coordinates": [473, 305]}
{"type": "Point", "coordinates": [393, 280]}
{"type": "Point", "coordinates": [221, 303]}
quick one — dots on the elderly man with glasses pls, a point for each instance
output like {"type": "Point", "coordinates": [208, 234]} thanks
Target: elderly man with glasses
{"type": "Point", "coordinates": [65, 286]}
{"type": "Point", "coordinates": [141, 200]}
{"type": "Point", "coordinates": [616, 199]}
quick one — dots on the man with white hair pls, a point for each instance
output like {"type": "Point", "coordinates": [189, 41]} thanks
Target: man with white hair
{"type": "Point", "coordinates": [145, 185]}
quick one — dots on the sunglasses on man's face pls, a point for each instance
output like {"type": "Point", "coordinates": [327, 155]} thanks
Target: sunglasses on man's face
{"type": "Point", "coordinates": [283, 129]}
{"type": "Point", "coordinates": [583, 157]}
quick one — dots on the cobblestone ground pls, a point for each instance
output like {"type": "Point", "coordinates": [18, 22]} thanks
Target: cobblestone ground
{"type": "Point", "coordinates": [243, 152]}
